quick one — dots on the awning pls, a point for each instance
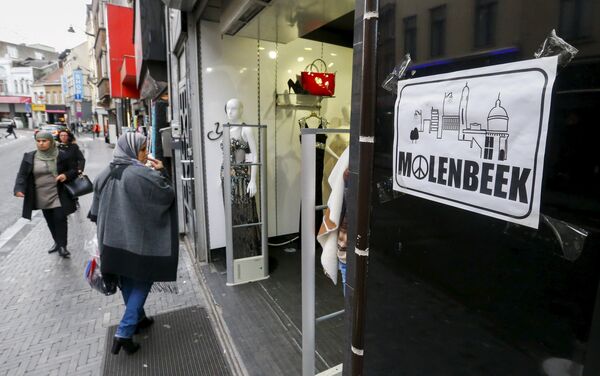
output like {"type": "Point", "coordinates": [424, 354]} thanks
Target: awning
{"type": "Point", "coordinates": [14, 99]}
{"type": "Point", "coordinates": [55, 111]}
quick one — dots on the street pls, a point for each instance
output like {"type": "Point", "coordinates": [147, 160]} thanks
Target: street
{"type": "Point", "coordinates": [51, 321]}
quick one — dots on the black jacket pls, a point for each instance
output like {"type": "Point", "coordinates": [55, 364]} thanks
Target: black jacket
{"type": "Point", "coordinates": [73, 151]}
{"type": "Point", "coordinates": [26, 183]}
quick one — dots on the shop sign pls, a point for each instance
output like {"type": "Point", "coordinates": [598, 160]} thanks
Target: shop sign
{"type": "Point", "coordinates": [77, 85]}
{"type": "Point", "coordinates": [475, 139]}
{"type": "Point", "coordinates": [38, 107]}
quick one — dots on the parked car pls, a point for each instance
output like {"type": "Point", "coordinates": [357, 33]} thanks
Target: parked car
{"type": "Point", "coordinates": [54, 129]}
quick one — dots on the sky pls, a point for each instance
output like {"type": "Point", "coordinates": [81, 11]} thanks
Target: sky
{"type": "Point", "coordinates": [43, 21]}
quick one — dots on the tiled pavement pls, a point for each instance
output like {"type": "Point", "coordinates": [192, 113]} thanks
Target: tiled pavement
{"type": "Point", "coordinates": [51, 322]}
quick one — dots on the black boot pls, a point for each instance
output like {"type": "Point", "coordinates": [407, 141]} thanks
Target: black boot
{"type": "Point", "coordinates": [143, 324]}
{"type": "Point", "coordinates": [53, 249]}
{"type": "Point", "coordinates": [62, 252]}
{"type": "Point", "coordinates": [126, 343]}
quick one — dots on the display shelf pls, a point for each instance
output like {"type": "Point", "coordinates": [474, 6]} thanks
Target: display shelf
{"type": "Point", "coordinates": [299, 100]}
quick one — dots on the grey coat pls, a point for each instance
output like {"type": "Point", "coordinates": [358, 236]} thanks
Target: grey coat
{"type": "Point", "coordinates": [136, 215]}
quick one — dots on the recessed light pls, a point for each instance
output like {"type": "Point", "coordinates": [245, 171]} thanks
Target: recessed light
{"type": "Point", "coordinates": [273, 54]}
{"type": "Point", "coordinates": [300, 59]}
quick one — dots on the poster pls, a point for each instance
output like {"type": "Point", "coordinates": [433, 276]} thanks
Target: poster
{"type": "Point", "coordinates": [475, 139]}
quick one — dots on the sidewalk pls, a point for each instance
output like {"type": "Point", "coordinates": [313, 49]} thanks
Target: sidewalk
{"type": "Point", "coordinates": [51, 322]}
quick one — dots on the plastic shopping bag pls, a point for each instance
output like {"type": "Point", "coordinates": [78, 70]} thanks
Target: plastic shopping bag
{"type": "Point", "coordinates": [92, 274]}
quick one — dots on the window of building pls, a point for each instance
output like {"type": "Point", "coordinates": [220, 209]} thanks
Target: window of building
{"type": "Point", "coordinates": [22, 86]}
{"type": "Point", "coordinates": [12, 52]}
{"type": "Point", "coordinates": [410, 36]}
{"type": "Point", "coordinates": [438, 31]}
{"type": "Point", "coordinates": [488, 151]}
{"type": "Point", "coordinates": [16, 84]}
{"type": "Point", "coordinates": [39, 55]}
{"type": "Point", "coordinates": [485, 22]}
{"type": "Point", "coordinates": [575, 19]}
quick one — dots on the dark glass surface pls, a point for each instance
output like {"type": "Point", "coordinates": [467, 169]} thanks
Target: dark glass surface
{"type": "Point", "coordinates": [452, 292]}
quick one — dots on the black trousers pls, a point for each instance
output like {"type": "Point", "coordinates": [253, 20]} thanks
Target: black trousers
{"type": "Point", "coordinates": [57, 224]}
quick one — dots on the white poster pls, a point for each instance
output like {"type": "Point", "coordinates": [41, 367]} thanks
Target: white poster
{"type": "Point", "coordinates": [475, 139]}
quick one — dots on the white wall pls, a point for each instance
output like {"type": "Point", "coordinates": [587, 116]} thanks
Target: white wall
{"type": "Point", "coordinates": [229, 69]}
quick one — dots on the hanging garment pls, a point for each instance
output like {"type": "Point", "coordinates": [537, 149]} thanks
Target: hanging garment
{"type": "Point", "coordinates": [246, 240]}
{"type": "Point", "coordinates": [320, 144]}
{"type": "Point", "coordinates": [328, 233]}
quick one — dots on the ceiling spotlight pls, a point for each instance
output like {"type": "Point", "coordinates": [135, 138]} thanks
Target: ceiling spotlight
{"type": "Point", "coordinates": [273, 54]}
{"type": "Point", "coordinates": [300, 59]}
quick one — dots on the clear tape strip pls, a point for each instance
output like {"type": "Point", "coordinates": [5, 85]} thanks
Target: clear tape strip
{"type": "Point", "coordinates": [368, 139]}
{"type": "Point", "coordinates": [359, 352]}
{"type": "Point", "coordinates": [361, 252]}
{"type": "Point", "coordinates": [369, 15]}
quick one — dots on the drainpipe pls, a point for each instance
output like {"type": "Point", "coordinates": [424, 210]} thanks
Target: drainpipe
{"type": "Point", "coordinates": [366, 150]}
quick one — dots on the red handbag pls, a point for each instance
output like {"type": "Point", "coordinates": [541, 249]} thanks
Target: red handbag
{"type": "Point", "coordinates": [316, 81]}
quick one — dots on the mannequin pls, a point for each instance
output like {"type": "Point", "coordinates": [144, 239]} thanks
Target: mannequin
{"type": "Point", "coordinates": [234, 109]}
{"type": "Point", "coordinates": [246, 240]}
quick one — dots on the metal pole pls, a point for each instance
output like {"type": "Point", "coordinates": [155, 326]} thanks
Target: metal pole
{"type": "Point", "coordinates": [308, 253]}
{"type": "Point", "coordinates": [227, 203]}
{"type": "Point", "coordinates": [263, 198]}
{"type": "Point", "coordinates": [363, 204]}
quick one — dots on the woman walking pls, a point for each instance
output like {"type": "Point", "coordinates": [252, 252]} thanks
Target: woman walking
{"type": "Point", "coordinates": [135, 211]}
{"type": "Point", "coordinates": [71, 149]}
{"type": "Point", "coordinates": [40, 183]}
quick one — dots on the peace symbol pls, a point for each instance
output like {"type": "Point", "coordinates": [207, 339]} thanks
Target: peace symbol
{"type": "Point", "coordinates": [420, 167]}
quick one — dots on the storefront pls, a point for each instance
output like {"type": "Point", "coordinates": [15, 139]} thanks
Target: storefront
{"type": "Point", "coordinates": [449, 290]}
{"type": "Point", "coordinates": [212, 63]}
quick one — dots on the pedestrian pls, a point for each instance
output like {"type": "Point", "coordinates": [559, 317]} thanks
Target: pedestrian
{"type": "Point", "coordinates": [69, 146]}
{"type": "Point", "coordinates": [136, 214]}
{"type": "Point", "coordinates": [40, 184]}
{"type": "Point", "coordinates": [97, 130]}
{"type": "Point", "coordinates": [11, 129]}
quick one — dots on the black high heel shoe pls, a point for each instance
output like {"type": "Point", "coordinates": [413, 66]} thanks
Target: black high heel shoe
{"type": "Point", "coordinates": [144, 323]}
{"type": "Point", "coordinates": [296, 87]}
{"type": "Point", "coordinates": [126, 343]}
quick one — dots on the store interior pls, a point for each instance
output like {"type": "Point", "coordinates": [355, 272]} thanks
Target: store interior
{"type": "Point", "coordinates": [256, 71]}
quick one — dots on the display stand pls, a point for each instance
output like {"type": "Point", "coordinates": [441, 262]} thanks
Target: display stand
{"type": "Point", "coordinates": [253, 268]}
{"type": "Point", "coordinates": [308, 244]}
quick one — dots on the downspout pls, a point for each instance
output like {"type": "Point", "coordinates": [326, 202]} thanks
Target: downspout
{"type": "Point", "coordinates": [365, 173]}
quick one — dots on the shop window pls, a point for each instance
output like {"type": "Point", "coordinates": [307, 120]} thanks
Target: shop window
{"type": "Point", "coordinates": [575, 19]}
{"type": "Point", "coordinates": [485, 22]}
{"type": "Point", "coordinates": [410, 36]}
{"type": "Point", "coordinates": [438, 31]}
{"type": "Point", "coordinates": [12, 52]}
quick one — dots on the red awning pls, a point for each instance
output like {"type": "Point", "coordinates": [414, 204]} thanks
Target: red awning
{"type": "Point", "coordinates": [56, 111]}
{"type": "Point", "coordinates": [9, 99]}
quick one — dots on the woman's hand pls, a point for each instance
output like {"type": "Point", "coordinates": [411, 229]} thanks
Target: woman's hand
{"type": "Point", "coordinates": [19, 194]}
{"type": "Point", "coordinates": [61, 178]}
{"type": "Point", "coordinates": [156, 164]}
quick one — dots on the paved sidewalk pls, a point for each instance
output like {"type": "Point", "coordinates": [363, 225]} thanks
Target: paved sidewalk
{"type": "Point", "coordinates": [51, 322]}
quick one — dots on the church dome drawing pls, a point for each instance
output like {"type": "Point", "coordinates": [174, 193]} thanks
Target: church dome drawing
{"type": "Point", "coordinates": [497, 120]}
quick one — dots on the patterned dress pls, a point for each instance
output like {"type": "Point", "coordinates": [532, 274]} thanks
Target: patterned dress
{"type": "Point", "coordinates": [246, 240]}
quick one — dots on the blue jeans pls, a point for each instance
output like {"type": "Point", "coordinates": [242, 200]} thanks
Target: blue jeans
{"type": "Point", "coordinates": [134, 295]}
{"type": "Point", "coordinates": [342, 268]}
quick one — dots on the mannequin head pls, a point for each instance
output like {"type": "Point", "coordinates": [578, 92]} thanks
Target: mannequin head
{"type": "Point", "coordinates": [234, 109]}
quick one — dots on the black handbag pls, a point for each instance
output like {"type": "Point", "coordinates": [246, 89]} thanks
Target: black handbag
{"type": "Point", "coordinates": [80, 186]}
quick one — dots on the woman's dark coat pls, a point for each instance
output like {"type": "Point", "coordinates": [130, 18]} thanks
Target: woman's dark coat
{"type": "Point", "coordinates": [73, 151]}
{"type": "Point", "coordinates": [26, 183]}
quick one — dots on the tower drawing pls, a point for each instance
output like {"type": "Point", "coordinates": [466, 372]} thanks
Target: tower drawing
{"type": "Point", "coordinates": [462, 111]}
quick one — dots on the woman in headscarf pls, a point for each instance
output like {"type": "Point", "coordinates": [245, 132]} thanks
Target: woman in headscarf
{"type": "Point", "coordinates": [70, 147]}
{"type": "Point", "coordinates": [136, 215]}
{"type": "Point", "coordinates": [40, 183]}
